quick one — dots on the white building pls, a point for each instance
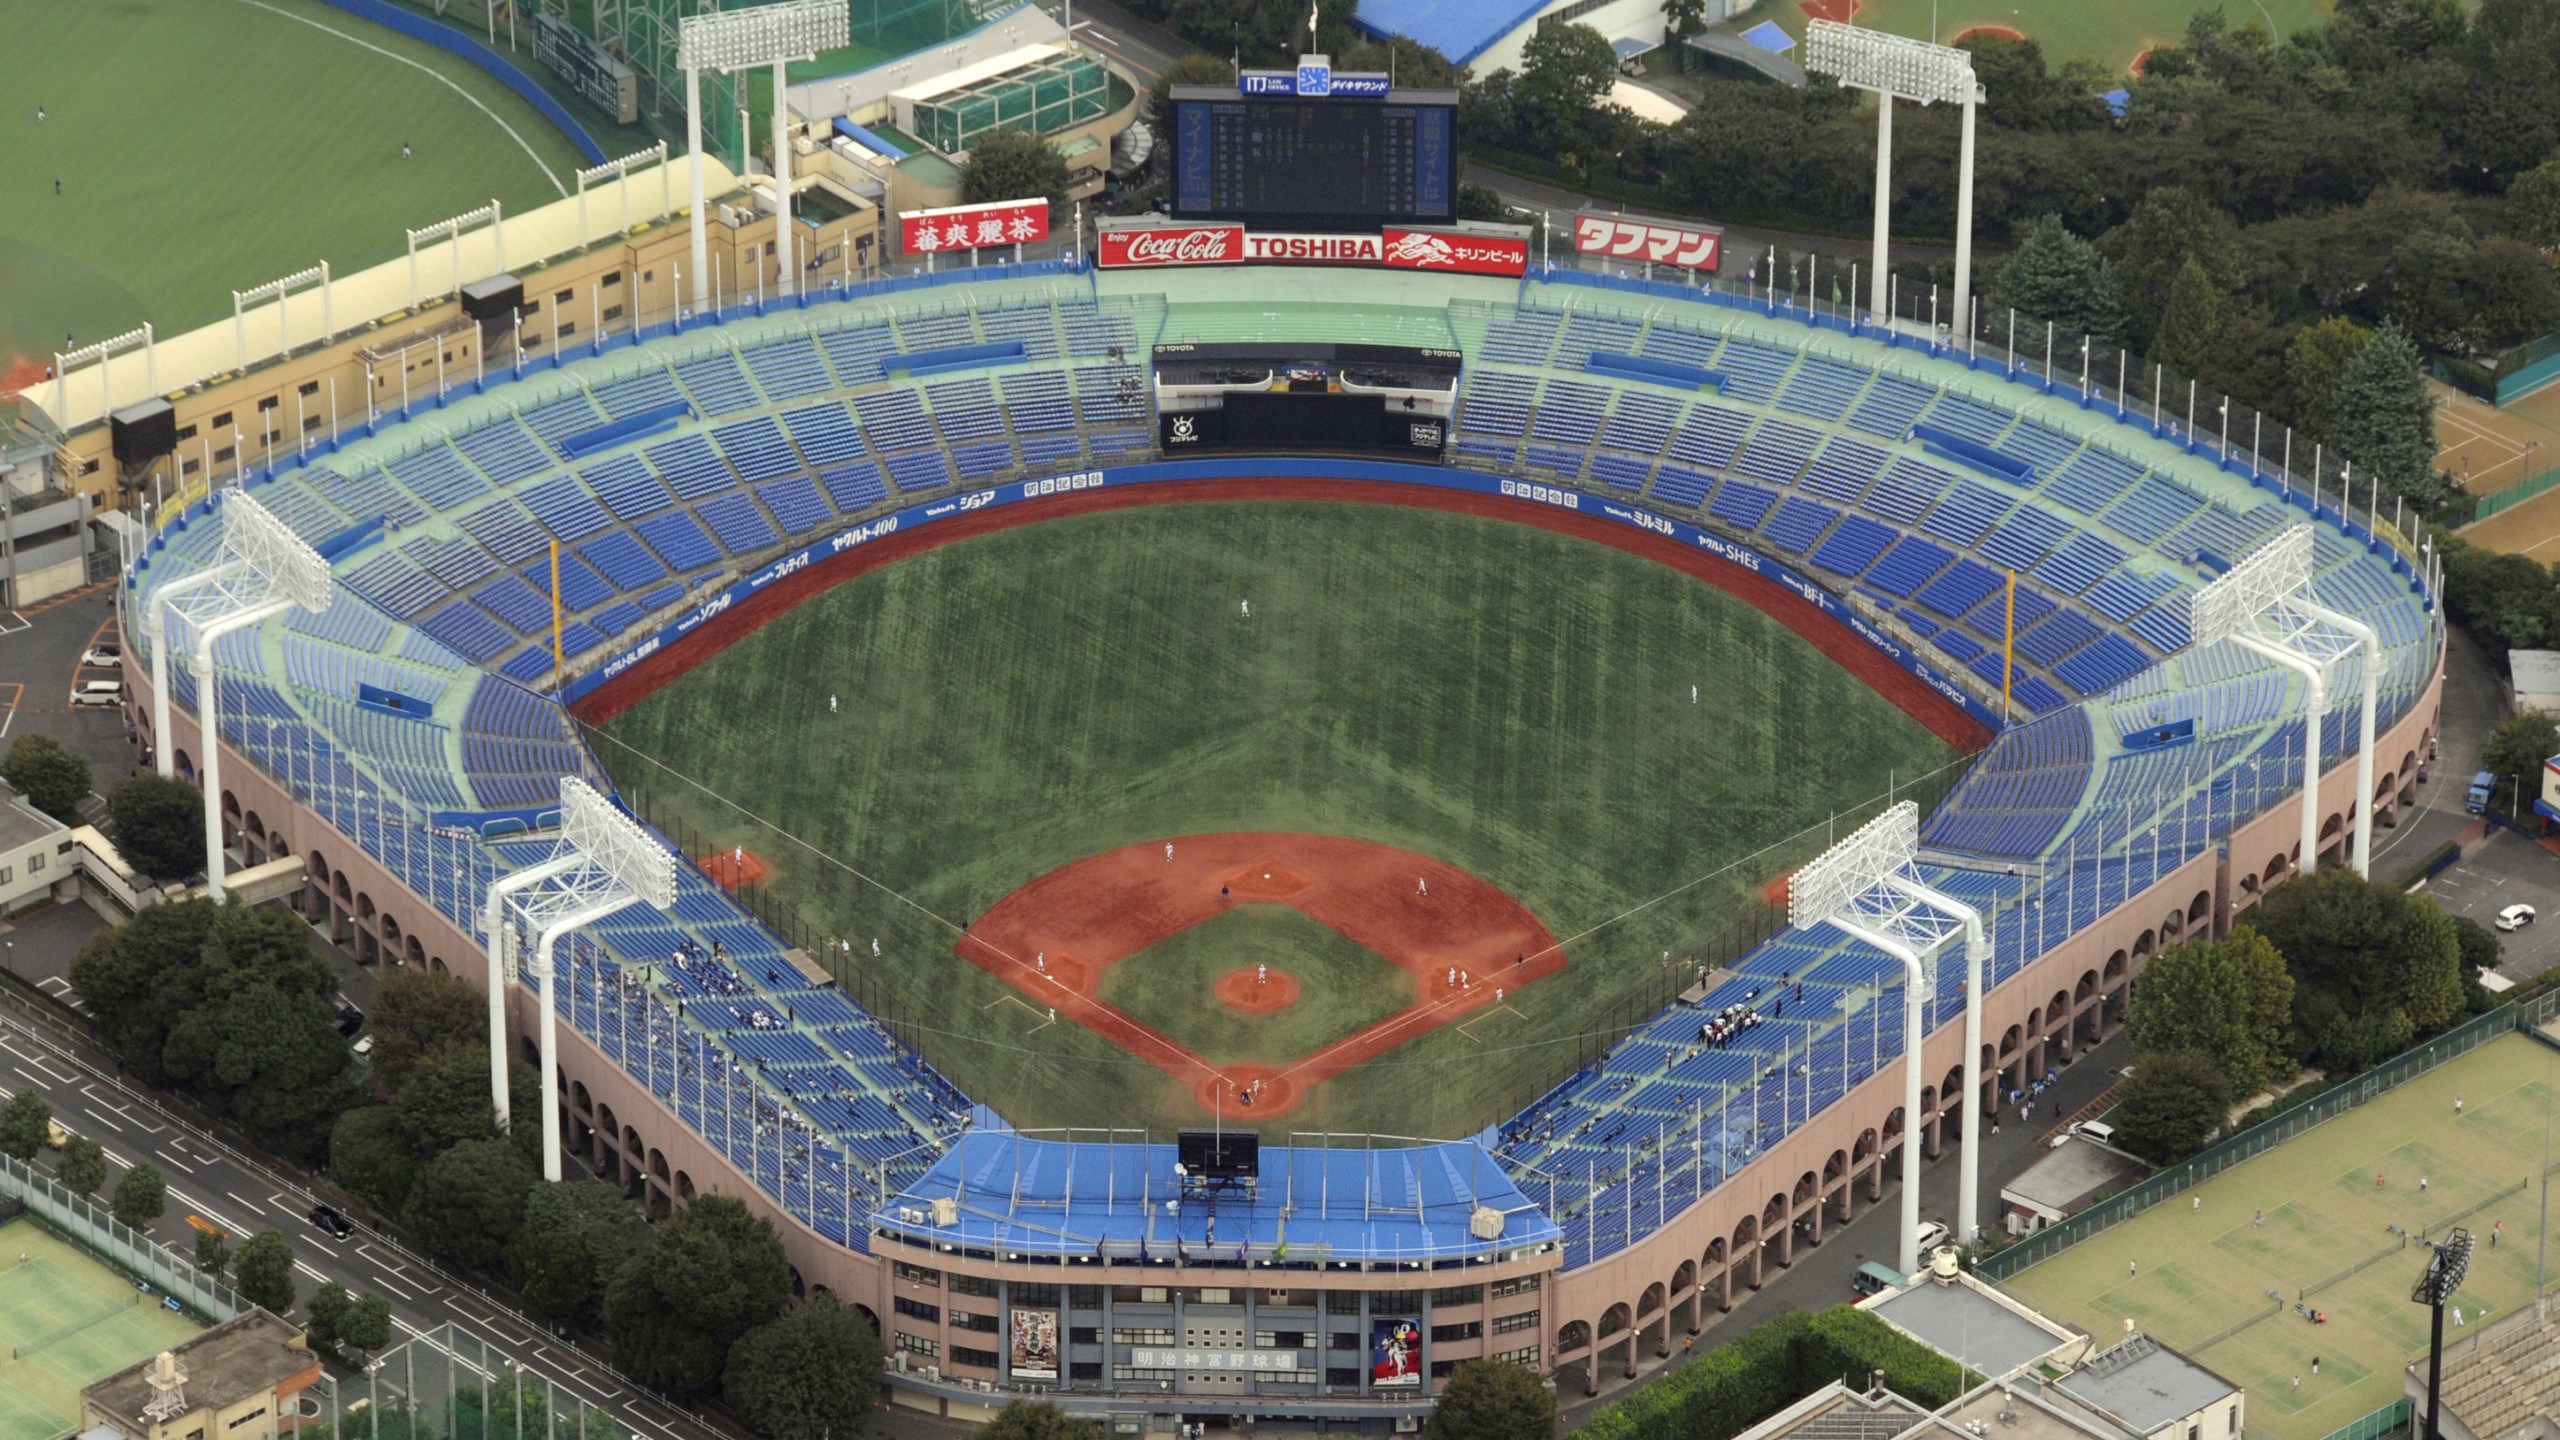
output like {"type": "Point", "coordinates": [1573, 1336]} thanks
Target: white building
{"type": "Point", "coordinates": [35, 854]}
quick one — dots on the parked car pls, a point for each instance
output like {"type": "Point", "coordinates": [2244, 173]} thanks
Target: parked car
{"type": "Point", "coordinates": [98, 692]}
{"type": "Point", "coordinates": [105, 657]}
{"type": "Point", "coordinates": [2515, 917]}
{"type": "Point", "coordinates": [328, 1221]}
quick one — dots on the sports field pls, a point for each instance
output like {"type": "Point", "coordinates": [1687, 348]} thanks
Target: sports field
{"type": "Point", "coordinates": [66, 1321]}
{"type": "Point", "coordinates": [205, 146]}
{"type": "Point", "coordinates": [1511, 703]}
{"type": "Point", "coordinates": [2205, 1269]}
{"type": "Point", "coordinates": [2113, 32]}
{"type": "Point", "coordinates": [2497, 448]}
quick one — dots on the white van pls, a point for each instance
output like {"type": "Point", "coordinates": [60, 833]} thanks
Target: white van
{"type": "Point", "coordinates": [2098, 1130]}
{"type": "Point", "coordinates": [1933, 1234]}
{"type": "Point", "coordinates": [98, 692]}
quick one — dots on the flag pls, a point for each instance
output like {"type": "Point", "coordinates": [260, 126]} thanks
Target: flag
{"type": "Point", "coordinates": [1280, 1252]}
{"type": "Point", "coordinates": [1311, 24]}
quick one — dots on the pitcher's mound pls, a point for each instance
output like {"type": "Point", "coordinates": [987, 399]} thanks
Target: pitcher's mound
{"type": "Point", "coordinates": [1265, 880]}
{"type": "Point", "coordinates": [732, 868]}
{"type": "Point", "coordinates": [1255, 993]}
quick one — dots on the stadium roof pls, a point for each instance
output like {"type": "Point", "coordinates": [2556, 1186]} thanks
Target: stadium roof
{"type": "Point", "coordinates": [1413, 1202]}
{"type": "Point", "coordinates": [1459, 29]}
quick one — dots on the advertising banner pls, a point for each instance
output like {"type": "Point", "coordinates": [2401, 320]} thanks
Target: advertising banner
{"type": "Point", "coordinates": [972, 227]}
{"type": "Point", "coordinates": [1032, 1353]}
{"type": "Point", "coordinates": [1396, 248]}
{"type": "Point", "coordinates": [1395, 1353]}
{"type": "Point", "coordinates": [1185, 245]}
{"type": "Point", "coordinates": [1655, 242]}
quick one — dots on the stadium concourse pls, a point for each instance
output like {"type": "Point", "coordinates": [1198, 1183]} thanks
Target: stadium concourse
{"type": "Point", "coordinates": [405, 739]}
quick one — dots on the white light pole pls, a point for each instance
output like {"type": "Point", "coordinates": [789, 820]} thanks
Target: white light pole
{"type": "Point", "coordinates": [1895, 68]}
{"type": "Point", "coordinates": [733, 40]}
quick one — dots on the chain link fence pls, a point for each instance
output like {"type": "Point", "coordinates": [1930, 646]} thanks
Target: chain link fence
{"type": "Point", "coordinates": [72, 1216]}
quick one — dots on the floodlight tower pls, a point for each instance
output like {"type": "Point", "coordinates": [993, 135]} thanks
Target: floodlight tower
{"type": "Point", "coordinates": [2264, 605]}
{"type": "Point", "coordinates": [2448, 1262]}
{"type": "Point", "coordinates": [266, 571]}
{"type": "Point", "coordinates": [772, 35]}
{"type": "Point", "coordinates": [1896, 68]}
{"type": "Point", "coordinates": [1867, 887]}
{"type": "Point", "coordinates": [604, 861]}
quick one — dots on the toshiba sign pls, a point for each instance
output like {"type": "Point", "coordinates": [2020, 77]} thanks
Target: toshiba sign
{"type": "Point", "coordinates": [1457, 252]}
{"type": "Point", "coordinates": [1656, 242]}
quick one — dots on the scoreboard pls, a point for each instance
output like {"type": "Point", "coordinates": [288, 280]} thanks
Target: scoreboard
{"type": "Point", "coordinates": [1297, 162]}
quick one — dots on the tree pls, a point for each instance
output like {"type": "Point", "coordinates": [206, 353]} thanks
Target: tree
{"type": "Point", "coordinates": [2171, 1105]}
{"type": "Point", "coordinates": [446, 1101]}
{"type": "Point", "coordinates": [2514, 297]}
{"type": "Point", "coordinates": [367, 1325]}
{"type": "Point", "coordinates": [1012, 164]}
{"type": "Point", "coordinates": [710, 1273]}
{"type": "Point", "coordinates": [83, 1166]}
{"type": "Point", "coordinates": [1480, 202]}
{"type": "Point", "coordinates": [2383, 419]}
{"type": "Point", "coordinates": [807, 1374]}
{"type": "Point", "coordinates": [2228, 1000]}
{"type": "Point", "coordinates": [1493, 1400]}
{"type": "Point", "coordinates": [416, 1012]}
{"type": "Point", "coordinates": [141, 1196]}
{"type": "Point", "coordinates": [213, 1256]}
{"type": "Point", "coordinates": [325, 1314]}
{"type": "Point", "coordinates": [263, 1271]}
{"type": "Point", "coordinates": [2372, 966]}
{"type": "Point", "coordinates": [1566, 74]}
{"type": "Point", "coordinates": [468, 1201]}
{"type": "Point", "coordinates": [2057, 276]}
{"type": "Point", "coordinates": [159, 825]}
{"type": "Point", "coordinates": [2507, 602]}
{"type": "Point", "coordinates": [2517, 747]}
{"type": "Point", "coordinates": [573, 1236]}
{"type": "Point", "coordinates": [2171, 228]}
{"type": "Point", "coordinates": [1038, 1420]}
{"type": "Point", "coordinates": [53, 779]}
{"type": "Point", "coordinates": [2533, 207]}
{"type": "Point", "coordinates": [2190, 328]}
{"type": "Point", "coordinates": [22, 1124]}
{"type": "Point", "coordinates": [1683, 16]}
{"type": "Point", "coordinates": [2314, 360]}
{"type": "Point", "coordinates": [369, 1154]}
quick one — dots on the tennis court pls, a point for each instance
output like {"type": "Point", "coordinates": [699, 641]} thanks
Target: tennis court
{"type": "Point", "coordinates": [2217, 1272]}
{"type": "Point", "coordinates": [67, 1321]}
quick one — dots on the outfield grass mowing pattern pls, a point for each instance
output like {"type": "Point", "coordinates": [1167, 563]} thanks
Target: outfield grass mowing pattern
{"type": "Point", "coordinates": [1509, 700]}
{"type": "Point", "coordinates": [43, 1300]}
{"type": "Point", "coordinates": [2205, 1269]}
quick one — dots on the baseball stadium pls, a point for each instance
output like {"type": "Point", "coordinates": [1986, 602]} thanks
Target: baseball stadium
{"type": "Point", "coordinates": [1206, 824]}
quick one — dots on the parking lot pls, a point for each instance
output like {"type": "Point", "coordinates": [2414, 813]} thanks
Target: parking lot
{"type": "Point", "coordinates": [2501, 870]}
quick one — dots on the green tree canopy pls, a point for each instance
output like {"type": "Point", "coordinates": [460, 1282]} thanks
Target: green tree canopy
{"type": "Point", "coordinates": [1038, 1420]}
{"type": "Point", "coordinates": [159, 825]}
{"type": "Point", "coordinates": [2171, 228]}
{"type": "Point", "coordinates": [263, 1271]}
{"type": "Point", "coordinates": [2370, 963]}
{"type": "Point", "coordinates": [418, 1011]}
{"type": "Point", "coordinates": [2057, 276]}
{"type": "Point", "coordinates": [367, 1325]}
{"type": "Point", "coordinates": [2190, 330]}
{"type": "Point", "coordinates": [141, 1197]}
{"type": "Point", "coordinates": [369, 1154]}
{"type": "Point", "coordinates": [1566, 74]}
{"type": "Point", "coordinates": [2514, 297]}
{"type": "Point", "coordinates": [574, 1235]}
{"type": "Point", "coordinates": [43, 769]}
{"type": "Point", "coordinates": [710, 1273]}
{"type": "Point", "coordinates": [2315, 359]}
{"type": "Point", "coordinates": [810, 1373]}
{"type": "Point", "coordinates": [445, 1100]}
{"type": "Point", "coordinates": [2171, 1105]}
{"type": "Point", "coordinates": [2229, 1000]}
{"type": "Point", "coordinates": [22, 1124]}
{"type": "Point", "coordinates": [325, 1314]}
{"type": "Point", "coordinates": [2533, 207]}
{"type": "Point", "coordinates": [2518, 744]}
{"type": "Point", "coordinates": [2383, 419]}
{"type": "Point", "coordinates": [1012, 164]}
{"type": "Point", "coordinates": [83, 1166]}
{"type": "Point", "coordinates": [213, 1253]}
{"type": "Point", "coordinates": [1493, 1400]}
{"type": "Point", "coordinates": [467, 1202]}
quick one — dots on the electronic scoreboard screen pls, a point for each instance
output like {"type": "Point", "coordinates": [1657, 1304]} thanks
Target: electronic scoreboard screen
{"type": "Point", "coordinates": [1300, 163]}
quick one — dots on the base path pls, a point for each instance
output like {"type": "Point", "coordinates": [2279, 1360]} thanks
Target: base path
{"type": "Point", "coordinates": [1417, 913]}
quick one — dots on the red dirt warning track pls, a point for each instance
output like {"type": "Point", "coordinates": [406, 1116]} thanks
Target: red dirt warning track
{"type": "Point", "coordinates": [1085, 917]}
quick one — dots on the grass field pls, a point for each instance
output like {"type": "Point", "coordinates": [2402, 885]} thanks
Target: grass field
{"type": "Point", "coordinates": [1342, 986]}
{"type": "Point", "coordinates": [78, 1322]}
{"type": "Point", "coordinates": [1505, 699]}
{"type": "Point", "coordinates": [2110, 31]}
{"type": "Point", "coordinates": [2206, 1268]}
{"type": "Point", "coordinates": [210, 145]}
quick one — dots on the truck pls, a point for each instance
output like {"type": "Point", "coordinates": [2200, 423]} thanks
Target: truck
{"type": "Point", "coordinates": [2476, 799]}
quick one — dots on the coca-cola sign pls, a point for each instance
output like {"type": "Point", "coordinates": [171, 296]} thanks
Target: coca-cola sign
{"type": "Point", "coordinates": [1188, 245]}
{"type": "Point", "coordinates": [1655, 242]}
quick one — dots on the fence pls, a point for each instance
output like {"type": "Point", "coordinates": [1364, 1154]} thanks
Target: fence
{"type": "Point", "coordinates": [449, 1384]}
{"type": "Point", "coordinates": [2175, 1180]}
{"type": "Point", "coordinates": [2484, 506]}
{"type": "Point", "coordinates": [2528, 368]}
{"type": "Point", "coordinates": [72, 1216]}
{"type": "Point", "coordinates": [2391, 1419]}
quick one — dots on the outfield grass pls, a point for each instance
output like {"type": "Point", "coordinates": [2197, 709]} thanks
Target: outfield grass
{"type": "Point", "coordinates": [1509, 700]}
{"type": "Point", "coordinates": [2112, 32]}
{"type": "Point", "coordinates": [210, 145]}
{"type": "Point", "coordinates": [79, 1321]}
{"type": "Point", "coordinates": [2206, 1268]}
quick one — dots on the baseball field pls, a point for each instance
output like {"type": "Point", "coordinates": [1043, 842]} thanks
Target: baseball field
{"type": "Point", "coordinates": [1381, 817]}
{"type": "Point", "coordinates": [2322, 1220]}
{"type": "Point", "coordinates": [2115, 33]}
{"type": "Point", "coordinates": [204, 146]}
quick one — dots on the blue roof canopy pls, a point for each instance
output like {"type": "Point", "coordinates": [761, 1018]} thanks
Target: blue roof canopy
{"type": "Point", "coordinates": [1459, 29]}
{"type": "Point", "coordinates": [1123, 1202]}
{"type": "Point", "coordinates": [1767, 36]}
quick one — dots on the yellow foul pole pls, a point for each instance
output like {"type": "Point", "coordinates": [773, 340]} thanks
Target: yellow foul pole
{"type": "Point", "coordinates": [558, 665]}
{"type": "Point", "coordinates": [2008, 632]}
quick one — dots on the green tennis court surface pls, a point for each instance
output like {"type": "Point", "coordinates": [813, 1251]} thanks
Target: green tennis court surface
{"type": "Point", "coordinates": [2112, 32]}
{"type": "Point", "coordinates": [210, 145]}
{"type": "Point", "coordinates": [2206, 1270]}
{"type": "Point", "coordinates": [66, 1321]}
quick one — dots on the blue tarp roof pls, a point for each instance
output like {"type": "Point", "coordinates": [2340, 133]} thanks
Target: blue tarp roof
{"type": "Point", "coordinates": [1767, 36]}
{"type": "Point", "coordinates": [1050, 1197]}
{"type": "Point", "coordinates": [1459, 29]}
{"type": "Point", "coordinates": [2116, 101]}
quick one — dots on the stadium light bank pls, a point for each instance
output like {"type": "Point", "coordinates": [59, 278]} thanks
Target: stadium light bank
{"type": "Point", "coordinates": [772, 35]}
{"type": "Point", "coordinates": [1897, 68]}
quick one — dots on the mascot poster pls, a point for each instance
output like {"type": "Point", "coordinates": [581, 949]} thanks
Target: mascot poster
{"type": "Point", "coordinates": [1395, 1353]}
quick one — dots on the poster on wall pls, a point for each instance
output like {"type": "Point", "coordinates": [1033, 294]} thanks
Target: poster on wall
{"type": "Point", "coordinates": [1034, 1351]}
{"type": "Point", "coordinates": [1395, 1353]}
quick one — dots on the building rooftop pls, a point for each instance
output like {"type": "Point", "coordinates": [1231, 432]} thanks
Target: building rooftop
{"type": "Point", "coordinates": [2535, 672]}
{"type": "Point", "coordinates": [2143, 1384]}
{"type": "Point", "coordinates": [2067, 1177]}
{"type": "Point", "coordinates": [1972, 1325]}
{"type": "Point", "coordinates": [21, 823]}
{"type": "Point", "coordinates": [239, 1358]}
{"type": "Point", "coordinates": [1459, 29]}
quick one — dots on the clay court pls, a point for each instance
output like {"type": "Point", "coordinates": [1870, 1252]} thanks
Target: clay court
{"type": "Point", "coordinates": [2493, 449]}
